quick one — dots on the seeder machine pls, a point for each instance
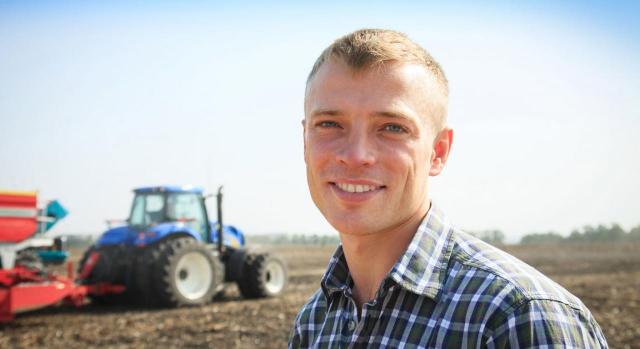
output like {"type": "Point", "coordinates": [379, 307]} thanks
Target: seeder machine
{"type": "Point", "coordinates": [24, 251]}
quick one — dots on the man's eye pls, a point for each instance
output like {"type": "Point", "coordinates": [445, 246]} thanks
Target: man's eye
{"type": "Point", "coordinates": [394, 128]}
{"type": "Point", "coordinates": [327, 124]}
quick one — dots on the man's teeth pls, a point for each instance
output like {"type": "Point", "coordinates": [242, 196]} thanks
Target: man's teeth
{"type": "Point", "coordinates": [355, 188]}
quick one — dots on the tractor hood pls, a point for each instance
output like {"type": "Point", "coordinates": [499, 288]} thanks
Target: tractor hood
{"type": "Point", "coordinates": [118, 235]}
{"type": "Point", "coordinates": [127, 235]}
{"type": "Point", "coordinates": [141, 237]}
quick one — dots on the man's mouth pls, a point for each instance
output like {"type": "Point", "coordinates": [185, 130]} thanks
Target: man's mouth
{"type": "Point", "coordinates": [356, 188]}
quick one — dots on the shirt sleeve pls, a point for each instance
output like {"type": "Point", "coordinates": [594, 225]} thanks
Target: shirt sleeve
{"type": "Point", "coordinates": [547, 324]}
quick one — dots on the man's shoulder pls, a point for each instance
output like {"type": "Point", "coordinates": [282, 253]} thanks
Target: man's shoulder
{"type": "Point", "coordinates": [513, 299]}
{"type": "Point", "coordinates": [491, 272]}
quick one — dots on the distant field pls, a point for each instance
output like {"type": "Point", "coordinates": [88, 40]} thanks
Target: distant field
{"type": "Point", "coordinates": [605, 277]}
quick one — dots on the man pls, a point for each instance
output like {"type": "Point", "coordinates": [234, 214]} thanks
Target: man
{"type": "Point", "coordinates": [374, 131]}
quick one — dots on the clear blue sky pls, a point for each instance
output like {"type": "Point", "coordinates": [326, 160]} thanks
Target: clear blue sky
{"type": "Point", "coordinates": [97, 99]}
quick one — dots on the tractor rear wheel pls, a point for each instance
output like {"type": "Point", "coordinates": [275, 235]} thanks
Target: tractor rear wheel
{"type": "Point", "coordinates": [186, 272]}
{"type": "Point", "coordinates": [111, 267]}
{"type": "Point", "coordinates": [263, 275]}
{"type": "Point", "coordinates": [85, 257]}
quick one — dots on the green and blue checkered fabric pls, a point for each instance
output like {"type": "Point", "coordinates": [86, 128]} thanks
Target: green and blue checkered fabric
{"type": "Point", "coordinates": [449, 290]}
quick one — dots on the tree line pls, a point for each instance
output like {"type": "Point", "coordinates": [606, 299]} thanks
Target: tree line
{"type": "Point", "coordinates": [600, 233]}
{"type": "Point", "coordinates": [588, 233]}
{"type": "Point", "coordinates": [294, 239]}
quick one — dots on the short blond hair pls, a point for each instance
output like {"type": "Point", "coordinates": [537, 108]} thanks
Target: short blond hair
{"type": "Point", "coordinates": [365, 49]}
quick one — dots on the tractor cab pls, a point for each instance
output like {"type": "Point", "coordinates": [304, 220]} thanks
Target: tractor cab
{"type": "Point", "coordinates": [157, 205]}
{"type": "Point", "coordinates": [163, 212]}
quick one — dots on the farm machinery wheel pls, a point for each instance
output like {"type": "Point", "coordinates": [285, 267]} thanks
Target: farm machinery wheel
{"type": "Point", "coordinates": [185, 272]}
{"type": "Point", "coordinates": [263, 275]}
{"type": "Point", "coordinates": [29, 259]}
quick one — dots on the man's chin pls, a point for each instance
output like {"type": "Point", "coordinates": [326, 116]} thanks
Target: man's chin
{"type": "Point", "coordinates": [355, 227]}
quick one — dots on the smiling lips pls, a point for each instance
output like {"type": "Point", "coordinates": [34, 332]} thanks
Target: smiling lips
{"type": "Point", "coordinates": [356, 188]}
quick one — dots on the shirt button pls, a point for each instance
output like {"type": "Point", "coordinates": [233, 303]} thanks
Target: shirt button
{"type": "Point", "coordinates": [351, 325]}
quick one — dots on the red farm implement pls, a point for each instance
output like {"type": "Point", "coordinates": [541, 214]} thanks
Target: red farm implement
{"type": "Point", "coordinates": [24, 283]}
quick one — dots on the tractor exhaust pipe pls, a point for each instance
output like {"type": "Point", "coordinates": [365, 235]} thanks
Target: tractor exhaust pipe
{"type": "Point", "coordinates": [220, 226]}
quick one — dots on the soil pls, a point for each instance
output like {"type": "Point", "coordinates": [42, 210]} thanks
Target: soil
{"type": "Point", "coordinates": [605, 277]}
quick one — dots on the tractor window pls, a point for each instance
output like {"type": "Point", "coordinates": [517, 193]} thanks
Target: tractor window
{"type": "Point", "coordinates": [187, 208]}
{"type": "Point", "coordinates": [153, 209]}
{"type": "Point", "coordinates": [137, 211]}
{"type": "Point", "coordinates": [147, 210]}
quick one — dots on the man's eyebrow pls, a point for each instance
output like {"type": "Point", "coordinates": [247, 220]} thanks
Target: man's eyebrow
{"type": "Point", "coordinates": [325, 112]}
{"type": "Point", "coordinates": [394, 115]}
{"type": "Point", "coordinates": [381, 114]}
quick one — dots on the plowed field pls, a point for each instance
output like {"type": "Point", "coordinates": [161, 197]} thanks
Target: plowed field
{"type": "Point", "coordinates": [605, 277]}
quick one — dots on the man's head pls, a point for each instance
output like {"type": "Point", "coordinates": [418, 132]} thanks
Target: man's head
{"type": "Point", "coordinates": [374, 131]}
{"type": "Point", "coordinates": [372, 49]}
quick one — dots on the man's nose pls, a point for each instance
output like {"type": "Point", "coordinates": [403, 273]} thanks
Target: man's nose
{"type": "Point", "coordinates": [357, 150]}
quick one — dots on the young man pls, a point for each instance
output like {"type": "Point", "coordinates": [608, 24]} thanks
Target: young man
{"type": "Point", "coordinates": [374, 131]}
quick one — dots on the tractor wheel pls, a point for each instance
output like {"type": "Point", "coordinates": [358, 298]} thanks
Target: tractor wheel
{"type": "Point", "coordinates": [187, 273]}
{"type": "Point", "coordinates": [112, 268]}
{"type": "Point", "coordinates": [263, 275]}
{"type": "Point", "coordinates": [143, 279]}
{"type": "Point", "coordinates": [85, 257]}
{"type": "Point", "coordinates": [105, 269]}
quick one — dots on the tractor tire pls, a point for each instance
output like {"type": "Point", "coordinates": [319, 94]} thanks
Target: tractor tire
{"type": "Point", "coordinates": [263, 275]}
{"type": "Point", "coordinates": [186, 272]}
{"type": "Point", "coordinates": [112, 267]}
{"type": "Point", "coordinates": [144, 274]}
{"type": "Point", "coordinates": [234, 264]}
{"type": "Point", "coordinates": [84, 258]}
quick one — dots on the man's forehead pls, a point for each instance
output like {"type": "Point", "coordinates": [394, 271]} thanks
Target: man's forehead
{"type": "Point", "coordinates": [336, 84]}
{"type": "Point", "coordinates": [335, 74]}
{"type": "Point", "coordinates": [338, 68]}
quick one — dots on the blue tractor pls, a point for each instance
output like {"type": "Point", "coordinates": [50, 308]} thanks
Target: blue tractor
{"type": "Point", "coordinates": [170, 254]}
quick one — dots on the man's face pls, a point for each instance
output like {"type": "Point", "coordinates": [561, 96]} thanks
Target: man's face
{"type": "Point", "coordinates": [369, 144]}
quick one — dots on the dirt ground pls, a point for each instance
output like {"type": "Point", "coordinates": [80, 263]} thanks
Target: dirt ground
{"type": "Point", "coordinates": [605, 277]}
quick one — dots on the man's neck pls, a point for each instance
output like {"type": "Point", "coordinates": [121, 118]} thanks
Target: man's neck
{"type": "Point", "coordinates": [371, 257]}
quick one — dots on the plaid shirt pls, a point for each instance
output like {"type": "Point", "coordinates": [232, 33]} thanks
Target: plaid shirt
{"type": "Point", "coordinates": [448, 290]}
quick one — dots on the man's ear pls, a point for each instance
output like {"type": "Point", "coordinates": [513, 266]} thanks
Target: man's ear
{"type": "Point", "coordinates": [304, 138]}
{"type": "Point", "coordinates": [441, 149]}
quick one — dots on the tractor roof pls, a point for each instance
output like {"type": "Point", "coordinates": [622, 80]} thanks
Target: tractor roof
{"type": "Point", "coordinates": [170, 189]}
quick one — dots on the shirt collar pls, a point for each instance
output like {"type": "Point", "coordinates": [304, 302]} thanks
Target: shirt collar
{"type": "Point", "coordinates": [337, 277]}
{"type": "Point", "coordinates": [421, 269]}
